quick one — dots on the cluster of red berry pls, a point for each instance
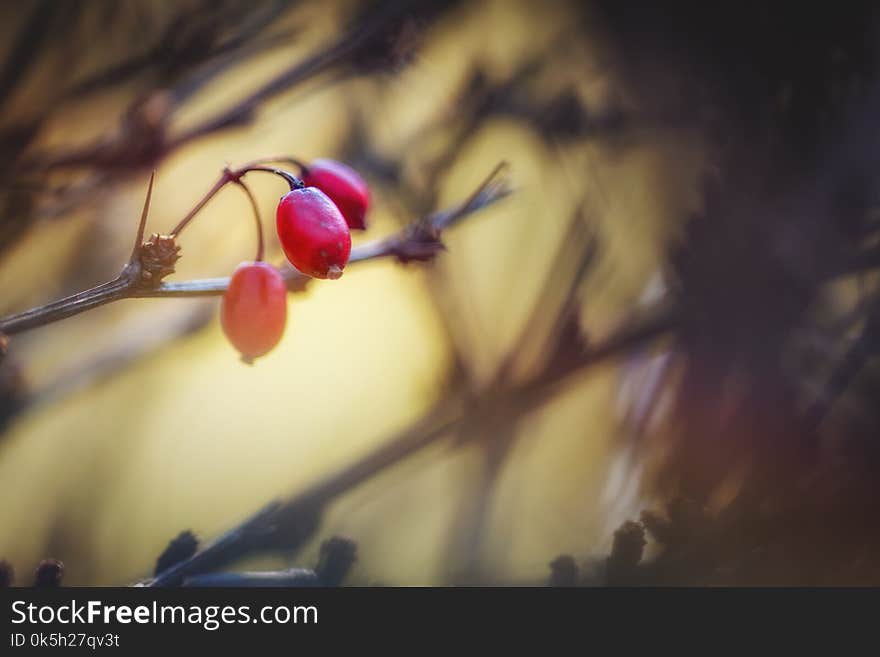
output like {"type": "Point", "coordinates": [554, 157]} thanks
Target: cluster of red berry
{"type": "Point", "coordinates": [313, 221]}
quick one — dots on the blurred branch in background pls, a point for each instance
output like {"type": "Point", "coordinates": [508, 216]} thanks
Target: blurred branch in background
{"type": "Point", "coordinates": [288, 524]}
{"type": "Point", "coordinates": [196, 34]}
{"type": "Point", "coordinates": [143, 140]}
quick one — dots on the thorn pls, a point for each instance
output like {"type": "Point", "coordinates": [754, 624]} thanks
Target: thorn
{"type": "Point", "coordinates": [501, 167]}
{"type": "Point", "coordinates": [495, 178]}
{"type": "Point", "coordinates": [143, 222]}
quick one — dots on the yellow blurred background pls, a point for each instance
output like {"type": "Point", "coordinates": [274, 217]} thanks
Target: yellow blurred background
{"type": "Point", "coordinates": [103, 474]}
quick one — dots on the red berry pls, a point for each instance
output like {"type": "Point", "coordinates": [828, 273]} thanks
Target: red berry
{"type": "Point", "coordinates": [313, 233]}
{"type": "Point", "coordinates": [254, 308]}
{"type": "Point", "coordinates": [345, 188]}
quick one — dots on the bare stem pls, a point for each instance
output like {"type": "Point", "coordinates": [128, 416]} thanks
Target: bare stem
{"type": "Point", "coordinates": [118, 288]}
{"type": "Point", "coordinates": [282, 159]}
{"type": "Point", "coordinates": [293, 181]}
{"type": "Point", "coordinates": [260, 244]}
{"type": "Point", "coordinates": [220, 184]}
{"type": "Point", "coordinates": [229, 176]}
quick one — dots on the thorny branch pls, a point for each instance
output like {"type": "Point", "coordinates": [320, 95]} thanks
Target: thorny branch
{"type": "Point", "coordinates": [153, 259]}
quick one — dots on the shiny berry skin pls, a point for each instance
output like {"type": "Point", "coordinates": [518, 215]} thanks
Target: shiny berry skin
{"type": "Point", "coordinates": [313, 233]}
{"type": "Point", "coordinates": [345, 188]}
{"type": "Point", "coordinates": [254, 309]}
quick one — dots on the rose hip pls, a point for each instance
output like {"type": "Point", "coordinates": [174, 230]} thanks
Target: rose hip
{"type": "Point", "coordinates": [254, 309]}
{"type": "Point", "coordinates": [313, 233]}
{"type": "Point", "coordinates": [345, 188]}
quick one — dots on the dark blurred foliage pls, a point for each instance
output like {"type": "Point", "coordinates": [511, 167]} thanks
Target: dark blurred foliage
{"type": "Point", "coordinates": [181, 547]}
{"type": "Point", "coordinates": [785, 93]}
{"type": "Point", "coordinates": [338, 555]}
{"type": "Point", "coordinates": [7, 574]}
{"type": "Point", "coordinates": [49, 574]}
